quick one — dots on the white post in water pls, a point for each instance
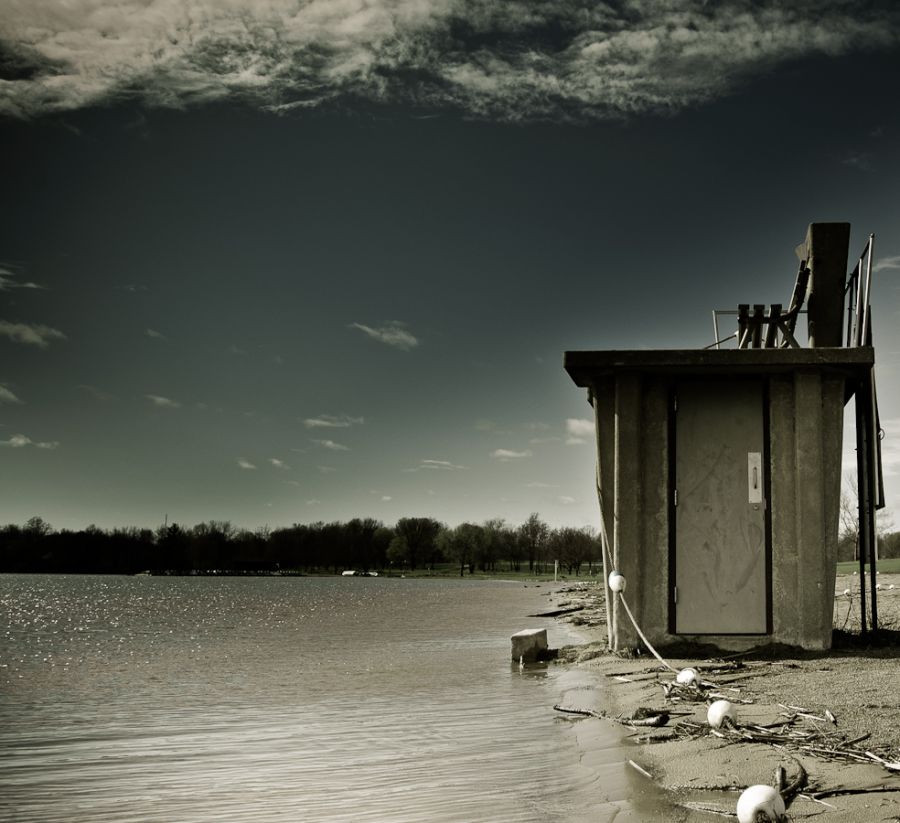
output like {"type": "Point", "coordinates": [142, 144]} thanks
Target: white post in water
{"type": "Point", "coordinates": [555, 569]}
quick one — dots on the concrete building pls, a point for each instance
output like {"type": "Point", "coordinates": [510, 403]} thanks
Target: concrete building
{"type": "Point", "coordinates": [719, 472]}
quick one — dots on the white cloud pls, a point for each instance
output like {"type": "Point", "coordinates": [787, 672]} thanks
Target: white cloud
{"type": "Point", "coordinates": [511, 60]}
{"type": "Point", "coordinates": [391, 334]}
{"type": "Point", "coordinates": [330, 421]}
{"type": "Point", "coordinates": [97, 394]}
{"type": "Point", "coordinates": [580, 427]}
{"type": "Point", "coordinates": [440, 465]}
{"type": "Point", "coordinates": [886, 263]}
{"type": "Point", "coordinates": [163, 402]}
{"type": "Point", "coordinates": [330, 444]}
{"type": "Point", "coordinates": [509, 454]}
{"type": "Point", "coordinates": [890, 447]}
{"type": "Point", "coordinates": [313, 502]}
{"type": "Point", "coordinates": [7, 396]}
{"type": "Point", "coordinates": [245, 464]}
{"type": "Point", "coordinates": [20, 441]}
{"type": "Point", "coordinates": [539, 485]}
{"type": "Point", "coordinates": [326, 469]}
{"type": "Point", "coordinates": [566, 500]}
{"type": "Point", "coordinates": [32, 335]}
{"type": "Point", "coordinates": [579, 430]}
{"type": "Point", "coordinates": [156, 335]}
{"type": "Point", "coordinates": [279, 464]}
{"type": "Point", "coordinates": [385, 498]}
{"type": "Point", "coordinates": [8, 280]}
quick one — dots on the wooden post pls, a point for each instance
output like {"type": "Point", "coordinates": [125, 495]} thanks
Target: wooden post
{"type": "Point", "coordinates": [827, 245]}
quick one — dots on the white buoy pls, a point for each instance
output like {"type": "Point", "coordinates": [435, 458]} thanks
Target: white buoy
{"type": "Point", "coordinates": [616, 581]}
{"type": "Point", "coordinates": [760, 800]}
{"type": "Point", "coordinates": [688, 677]}
{"type": "Point", "coordinates": [721, 712]}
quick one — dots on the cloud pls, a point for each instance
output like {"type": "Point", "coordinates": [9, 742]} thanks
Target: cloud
{"type": "Point", "coordinates": [890, 447]}
{"type": "Point", "coordinates": [279, 464]}
{"type": "Point", "coordinates": [579, 430]}
{"type": "Point", "coordinates": [326, 469]}
{"type": "Point", "coordinates": [8, 280]}
{"type": "Point", "coordinates": [440, 465]}
{"type": "Point", "coordinates": [507, 454]}
{"type": "Point", "coordinates": [31, 335]}
{"type": "Point", "coordinates": [20, 441]}
{"type": "Point", "coordinates": [330, 444]}
{"type": "Point", "coordinates": [539, 485]}
{"type": "Point", "coordinates": [163, 402]}
{"type": "Point", "coordinates": [566, 500]}
{"type": "Point", "coordinates": [330, 421]}
{"type": "Point", "coordinates": [246, 464]}
{"type": "Point", "coordinates": [391, 334]}
{"type": "Point", "coordinates": [97, 394]}
{"type": "Point", "coordinates": [385, 498]}
{"type": "Point", "coordinates": [156, 335]}
{"type": "Point", "coordinates": [6, 396]}
{"type": "Point", "coordinates": [886, 263]}
{"type": "Point", "coordinates": [512, 60]}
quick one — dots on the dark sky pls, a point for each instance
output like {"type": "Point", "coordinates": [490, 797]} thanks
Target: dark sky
{"type": "Point", "coordinates": [287, 261]}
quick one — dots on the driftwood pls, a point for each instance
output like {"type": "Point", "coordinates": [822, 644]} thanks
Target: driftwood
{"type": "Point", "coordinates": [586, 712]}
{"type": "Point", "coordinates": [823, 743]}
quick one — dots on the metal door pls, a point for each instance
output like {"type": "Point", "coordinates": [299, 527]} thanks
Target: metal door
{"type": "Point", "coordinates": [721, 574]}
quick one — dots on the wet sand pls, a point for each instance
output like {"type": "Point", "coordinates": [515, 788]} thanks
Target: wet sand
{"type": "Point", "coordinates": [701, 776]}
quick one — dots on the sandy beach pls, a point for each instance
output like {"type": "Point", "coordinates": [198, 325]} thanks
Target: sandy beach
{"type": "Point", "coordinates": [824, 717]}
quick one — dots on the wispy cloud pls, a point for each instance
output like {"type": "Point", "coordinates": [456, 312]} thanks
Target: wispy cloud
{"type": "Point", "coordinates": [330, 421]}
{"type": "Point", "coordinates": [9, 280]}
{"type": "Point", "coordinates": [578, 430]}
{"type": "Point", "coordinates": [436, 465]}
{"type": "Point", "coordinates": [331, 445]}
{"type": "Point", "coordinates": [32, 335]}
{"type": "Point", "coordinates": [440, 465]}
{"type": "Point", "coordinates": [538, 485]}
{"type": "Point", "coordinates": [391, 334]}
{"type": "Point", "coordinates": [246, 464]}
{"type": "Point", "coordinates": [163, 402]}
{"type": "Point", "coordinates": [886, 263]}
{"type": "Point", "coordinates": [566, 500]}
{"type": "Point", "coordinates": [97, 394]}
{"type": "Point", "coordinates": [279, 464]}
{"type": "Point", "coordinates": [503, 59]}
{"type": "Point", "coordinates": [7, 396]}
{"type": "Point", "coordinates": [156, 335]}
{"type": "Point", "coordinates": [20, 441]}
{"type": "Point", "coordinates": [509, 454]}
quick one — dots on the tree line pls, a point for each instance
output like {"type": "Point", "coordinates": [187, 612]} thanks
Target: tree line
{"type": "Point", "coordinates": [361, 544]}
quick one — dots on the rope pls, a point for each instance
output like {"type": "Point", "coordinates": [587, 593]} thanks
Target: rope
{"type": "Point", "coordinates": [638, 630]}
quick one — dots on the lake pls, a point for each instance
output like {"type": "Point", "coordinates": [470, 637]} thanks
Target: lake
{"type": "Point", "coordinates": [292, 698]}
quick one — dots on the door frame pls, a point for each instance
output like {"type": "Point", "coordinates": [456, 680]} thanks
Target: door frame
{"type": "Point", "coordinates": [671, 514]}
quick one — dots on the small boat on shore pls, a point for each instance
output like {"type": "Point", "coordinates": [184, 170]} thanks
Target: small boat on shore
{"type": "Point", "coordinates": [355, 573]}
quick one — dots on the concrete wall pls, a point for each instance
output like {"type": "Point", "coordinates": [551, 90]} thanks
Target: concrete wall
{"type": "Point", "coordinates": [805, 419]}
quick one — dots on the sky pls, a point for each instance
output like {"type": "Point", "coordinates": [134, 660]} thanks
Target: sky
{"type": "Point", "coordinates": [280, 262]}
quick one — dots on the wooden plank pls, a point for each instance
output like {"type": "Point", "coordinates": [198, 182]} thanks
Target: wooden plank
{"type": "Point", "coordinates": [772, 325]}
{"type": "Point", "coordinates": [743, 325]}
{"type": "Point", "coordinates": [759, 316]}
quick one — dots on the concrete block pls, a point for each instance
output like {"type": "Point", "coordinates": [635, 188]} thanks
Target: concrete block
{"type": "Point", "coordinates": [529, 645]}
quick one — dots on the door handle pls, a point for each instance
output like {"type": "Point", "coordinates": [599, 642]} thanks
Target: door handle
{"type": "Point", "coordinates": [754, 478]}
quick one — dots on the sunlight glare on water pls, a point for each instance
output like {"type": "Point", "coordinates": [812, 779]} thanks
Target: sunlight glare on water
{"type": "Point", "coordinates": [264, 699]}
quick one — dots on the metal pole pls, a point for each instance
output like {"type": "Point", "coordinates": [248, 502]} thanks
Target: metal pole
{"type": "Point", "coordinates": [871, 493]}
{"type": "Point", "coordinates": [862, 494]}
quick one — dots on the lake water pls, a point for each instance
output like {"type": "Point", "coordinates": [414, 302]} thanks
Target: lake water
{"type": "Point", "coordinates": [297, 699]}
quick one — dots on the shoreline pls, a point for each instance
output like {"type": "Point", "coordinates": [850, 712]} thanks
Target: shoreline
{"type": "Point", "coordinates": [699, 775]}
